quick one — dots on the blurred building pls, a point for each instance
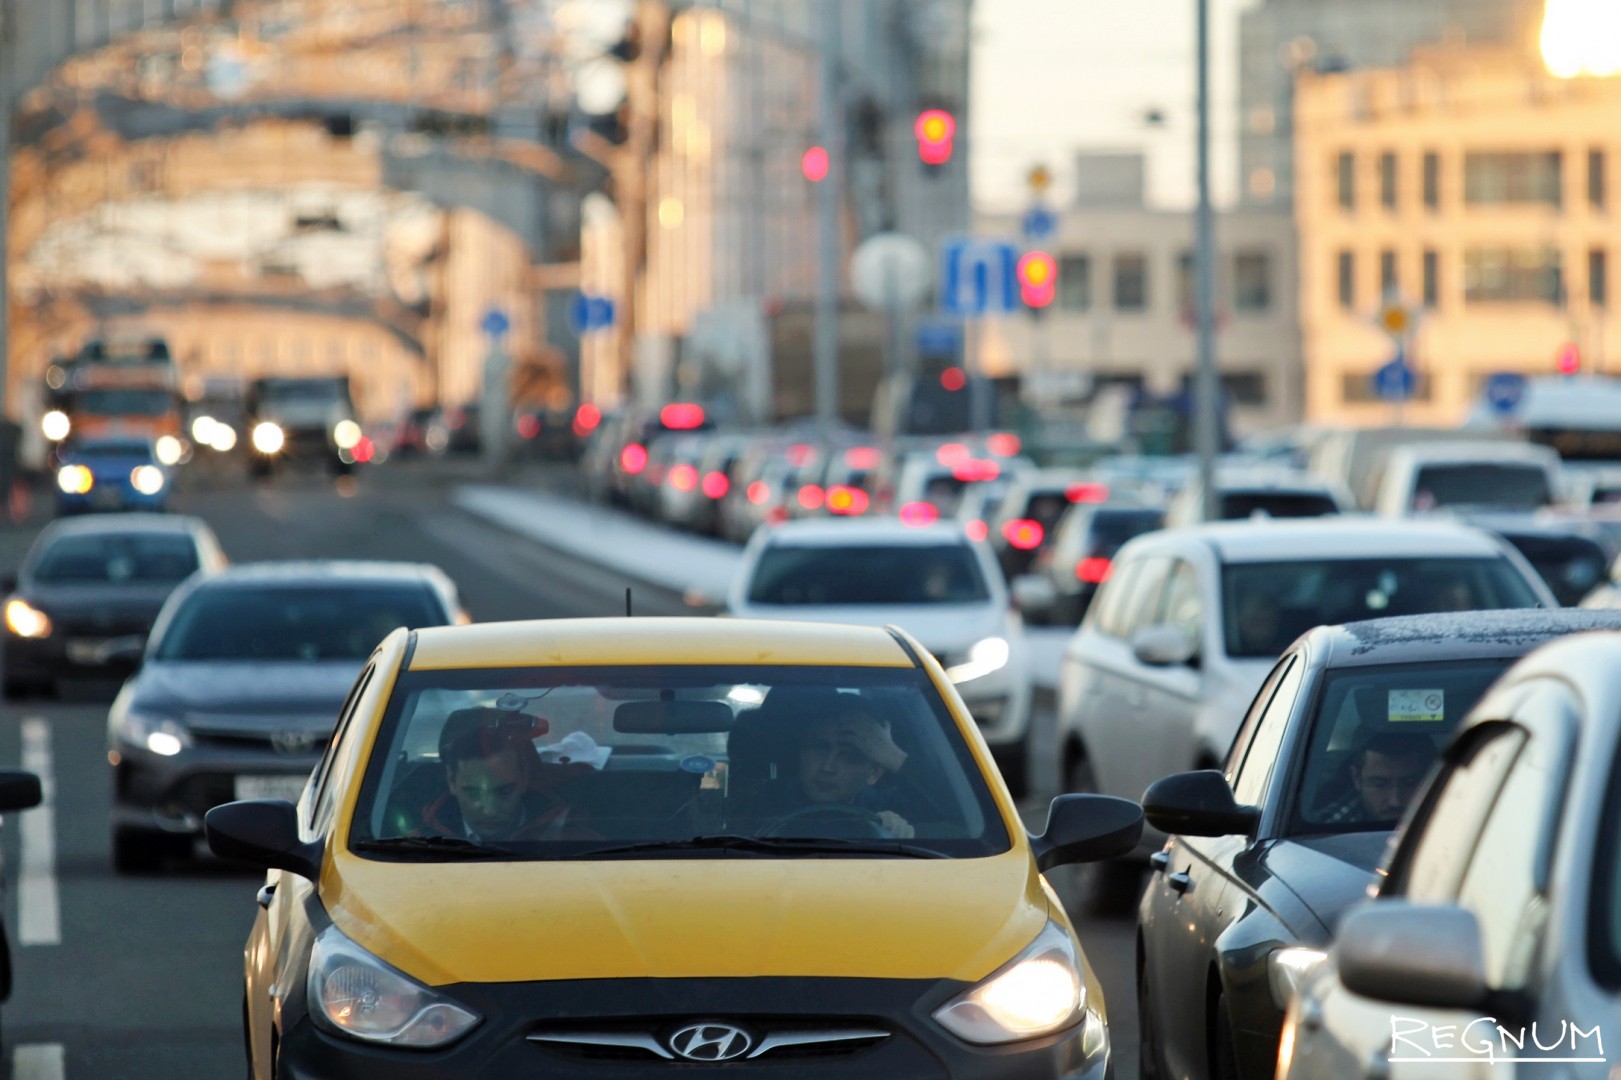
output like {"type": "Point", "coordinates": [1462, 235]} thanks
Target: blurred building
{"type": "Point", "coordinates": [1123, 312]}
{"type": "Point", "coordinates": [1476, 189]}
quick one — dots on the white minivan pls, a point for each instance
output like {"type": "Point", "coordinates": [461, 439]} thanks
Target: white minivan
{"type": "Point", "coordinates": [1469, 476]}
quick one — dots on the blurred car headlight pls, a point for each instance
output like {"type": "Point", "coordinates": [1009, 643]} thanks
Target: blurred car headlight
{"type": "Point", "coordinates": [356, 994]}
{"type": "Point", "coordinates": [1037, 993]}
{"type": "Point", "coordinates": [75, 479]}
{"type": "Point", "coordinates": [268, 437]}
{"type": "Point", "coordinates": [162, 735]}
{"type": "Point", "coordinates": [346, 433]}
{"type": "Point", "coordinates": [1287, 968]}
{"type": "Point", "coordinates": [26, 620]}
{"type": "Point", "coordinates": [55, 425]}
{"type": "Point", "coordinates": [169, 450]}
{"type": "Point", "coordinates": [202, 429]}
{"type": "Point", "coordinates": [222, 438]}
{"type": "Point", "coordinates": [986, 656]}
{"type": "Point", "coordinates": [147, 479]}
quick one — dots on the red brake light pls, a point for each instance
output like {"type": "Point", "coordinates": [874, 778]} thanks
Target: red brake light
{"type": "Point", "coordinates": [847, 501]}
{"type": "Point", "coordinates": [1024, 534]}
{"type": "Point", "coordinates": [918, 514]}
{"type": "Point", "coordinates": [1093, 570]}
{"type": "Point", "coordinates": [528, 426]}
{"type": "Point", "coordinates": [861, 457]}
{"type": "Point", "coordinates": [759, 492]}
{"type": "Point", "coordinates": [1087, 493]}
{"type": "Point", "coordinates": [799, 454]}
{"type": "Point", "coordinates": [586, 419]}
{"type": "Point", "coordinates": [974, 469]}
{"type": "Point", "coordinates": [952, 453]}
{"type": "Point", "coordinates": [683, 478]}
{"type": "Point", "coordinates": [953, 379]}
{"type": "Point", "coordinates": [633, 458]}
{"type": "Point", "coordinates": [365, 450]}
{"type": "Point", "coordinates": [977, 530]}
{"type": "Point", "coordinates": [716, 485]}
{"type": "Point", "coordinates": [811, 496]}
{"type": "Point", "coordinates": [1003, 444]}
{"type": "Point", "coordinates": [777, 515]}
{"type": "Point", "coordinates": [681, 416]}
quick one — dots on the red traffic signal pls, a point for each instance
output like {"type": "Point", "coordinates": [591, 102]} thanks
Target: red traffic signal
{"type": "Point", "coordinates": [1038, 278]}
{"type": "Point", "coordinates": [814, 164]}
{"type": "Point", "coordinates": [935, 129]}
{"type": "Point", "coordinates": [1570, 358]}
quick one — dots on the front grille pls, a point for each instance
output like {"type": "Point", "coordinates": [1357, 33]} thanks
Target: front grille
{"type": "Point", "coordinates": [258, 742]}
{"type": "Point", "coordinates": [86, 626]}
{"type": "Point", "coordinates": [773, 1040]}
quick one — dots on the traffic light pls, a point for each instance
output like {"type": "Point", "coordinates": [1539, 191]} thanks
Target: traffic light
{"type": "Point", "coordinates": [935, 129]}
{"type": "Point", "coordinates": [1570, 358]}
{"type": "Point", "coordinates": [1038, 279]}
{"type": "Point", "coordinates": [814, 164]}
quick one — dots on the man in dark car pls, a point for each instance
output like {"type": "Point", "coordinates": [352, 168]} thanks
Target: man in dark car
{"type": "Point", "coordinates": [494, 775]}
{"type": "Point", "coordinates": [842, 756]}
{"type": "Point", "coordinates": [1385, 772]}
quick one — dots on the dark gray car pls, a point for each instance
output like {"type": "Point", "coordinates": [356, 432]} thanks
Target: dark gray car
{"type": "Point", "coordinates": [241, 682]}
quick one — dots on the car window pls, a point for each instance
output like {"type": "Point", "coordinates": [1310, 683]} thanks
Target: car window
{"type": "Point", "coordinates": [1237, 505]}
{"type": "Point", "coordinates": [1183, 606]}
{"type": "Point", "coordinates": [324, 796]}
{"type": "Point", "coordinates": [1266, 606]}
{"type": "Point", "coordinates": [1246, 729]}
{"type": "Point", "coordinates": [790, 575]}
{"type": "Point", "coordinates": [1250, 784]}
{"type": "Point", "coordinates": [1442, 835]}
{"type": "Point", "coordinates": [1499, 485]}
{"type": "Point", "coordinates": [1373, 736]}
{"type": "Point", "coordinates": [117, 559]}
{"type": "Point", "coordinates": [1108, 612]}
{"type": "Point", "coordinates": [1570, 565]}
{"type": "Point", "coordinates": [1144, 606]}
{"type": "Point", "coordinates": [554, 762]}
{"type": "Point", "coordinates": [294, 623]}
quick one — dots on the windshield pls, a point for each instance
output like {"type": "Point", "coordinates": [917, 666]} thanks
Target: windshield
{"type": "Point", "coordinates": [313, 390]}
{"type": "Point", "coordinates": [868, 574]}
{"type": "Point", "coordinates": [124, 402]}
{"type": "Point", "coordinates": [552, 762]}
{"type": "Point", "coordinates": [1237, 505]}
{"type": "Point", "coordinates": [1267, 605]}
{"type": "Point", "coordinates": [294, 623]}
{"type": "Point", "coordinates": [117, 559]}
{"type": "Point", "coordinates": [1374, 734]}
{"type": "Point", "coordinates": [1499, 485]}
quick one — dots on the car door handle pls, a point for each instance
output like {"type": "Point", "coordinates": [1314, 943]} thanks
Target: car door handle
{"type": "Point", "coordinates": [1180, 882]}
{"type": "Point", "coordinates": [265, 895]}
{"type": "Point", "coordinates": [1160, 860]}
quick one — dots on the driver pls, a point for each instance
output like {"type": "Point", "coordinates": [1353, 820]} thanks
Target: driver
{"type": "Point", "coordinates": [842, 755]}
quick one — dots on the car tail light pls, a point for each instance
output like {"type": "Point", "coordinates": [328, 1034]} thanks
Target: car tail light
{"type": "Point", "coordinates": [716, 485]}
{"type": "Point", "coordinates": [1003, 444]}
{"type": "Point", "coordinates": [586, 419]}
{"type": "Point", "coordinates": [971, 470]}
{"type": "Point", "coordinates": [861, 457]}
{"type": "Point", "coordinates": [799, 454]}
{"type": "Point", "coordinates": [811, 496]}
{"type": "Point", "coordinates": [1093, 570]}
{"type": "Point", "coordinates": [633, 458]}
{"type": "Point", "coordinates": [1025, 534]}
{"type": "Point", "coordinates": [952, 453]}
{"type": "Point", "coordinates": [977, 529]}
{"type": "Point", "coordinates": [682, 416]}
{"type": "Point", "coordinates": [365, 450]}
{"type": "Point", "coordinates": [683, 478]}
{"type": "Point", "coordinates": [777, 515]}
{"type": "Point", "coordinates": [759, 493]}
{"type": "Point", "coordinates": [1087, 492]}
{"type": "Point", "coordinates": [918, 514]}
{"type": "Point", "coordinates": [528, 426]}
{"type": "Point", "coordinates": [847, 501]}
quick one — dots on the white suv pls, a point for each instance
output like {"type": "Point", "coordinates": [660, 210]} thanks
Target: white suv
{"type": "Point", "coordinates": [1181, 636]}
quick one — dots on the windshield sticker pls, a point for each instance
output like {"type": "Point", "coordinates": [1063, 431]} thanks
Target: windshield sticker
{"type": "Point", "coordinates": [1416, 707]}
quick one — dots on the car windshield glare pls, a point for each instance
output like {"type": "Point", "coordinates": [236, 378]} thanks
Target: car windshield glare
{"type": "Point", "coordinates": [868, 574]}
{"type": "Point", "coordinates": [1499, 485]}
{"type": "Point", "coordinates": [314, 623]}
{"type": "Point", "coordinates": [674, 761]}
{"type": "Point", "coordinates": [1374, 735]}
{"type": "Point", "coordinates": [116, 559]}
{"type": "Point", "coordinates": [1267, 605]}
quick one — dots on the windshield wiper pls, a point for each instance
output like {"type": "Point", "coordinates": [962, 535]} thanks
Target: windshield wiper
{"type": "Point", "coordinates": [449, 847]}
{"type": "Point", "coordinates": [770, 845]}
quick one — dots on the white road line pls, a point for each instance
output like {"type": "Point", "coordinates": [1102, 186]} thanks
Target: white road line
{"type": "Point", "coordinates": [39, 911]}
{"type": "Point", "coordinates": [37, 1061]}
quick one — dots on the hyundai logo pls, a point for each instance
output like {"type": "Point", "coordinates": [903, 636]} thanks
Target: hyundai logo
{"type": "Point", "coordinates": [710, 1042]}
{"type": "Point", "coordinates": [293, 741]}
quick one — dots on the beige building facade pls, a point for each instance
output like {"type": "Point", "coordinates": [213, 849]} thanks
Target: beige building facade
{"type": "Point", "coordinates": [1473, 190]}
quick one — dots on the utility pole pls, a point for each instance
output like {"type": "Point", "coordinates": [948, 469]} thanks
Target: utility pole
{"type": "Point", "coordinates": [828, 246]}
{"type": "Point", "coordinates": [1205, 389]}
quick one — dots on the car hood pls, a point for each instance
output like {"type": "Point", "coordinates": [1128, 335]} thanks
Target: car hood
{"type": "Point", "coordinates": [271, 690]}
{"type": "Point", "coordinates": [117, 603]}
{"type": "Point", "coordinates": [940, 628]}
{"type": "Point", "coordinates": [485, 922]}
{"type": "Point", "coordinates": [1328, 873]}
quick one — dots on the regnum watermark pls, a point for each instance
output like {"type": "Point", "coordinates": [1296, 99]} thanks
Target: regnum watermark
{"type": "Point", "coordinates": [1486, 1041]}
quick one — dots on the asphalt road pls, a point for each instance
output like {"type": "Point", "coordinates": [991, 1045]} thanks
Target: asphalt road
{"type": "Point", "coordinates": [140, 977]}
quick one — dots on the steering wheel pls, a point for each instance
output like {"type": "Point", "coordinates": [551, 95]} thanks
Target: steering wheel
{"type": "Point", "coordinates": [839, 820]}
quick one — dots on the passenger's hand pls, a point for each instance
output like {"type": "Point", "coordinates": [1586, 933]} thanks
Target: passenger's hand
{"type": "Point", "coordinates": [897, 826]}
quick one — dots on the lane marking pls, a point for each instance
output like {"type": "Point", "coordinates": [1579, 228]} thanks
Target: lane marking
{"type": "Point", "coordinates": [38, 1061]}
{"type": "Point", "coordinates": [39, 910]}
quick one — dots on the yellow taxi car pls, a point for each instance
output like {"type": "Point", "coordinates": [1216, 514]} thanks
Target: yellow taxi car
{"type": "Point", "coordinates": [605, 847]}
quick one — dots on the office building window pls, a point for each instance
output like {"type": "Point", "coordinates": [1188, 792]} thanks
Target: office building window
{"type": "Point", "coordinates": [1075, 282]}
{"type": "Point", "coordinates": [1494, 275]}
{"type": "Point", "coordinates": [1388, 283]}
{"type": "Point", "coordinates": [1432, 180]}
{"type": "Point", "coordinates": [1598, 286]}
{"type": "Point", "coordinates": [1490, 178]}
{"type": "Point", "coordinates": [1595, 179]}
{"type": "Point", "coordinates": [1240, 387]}
{"type": "Point", "coordinates": [1387, 180]}
{"type": "Point", "coordinates": [1346, 172]}
{"type": "Point", "coordinates": [1252, 281]}
{"type": "Point", "coordinates": [1432, 279]}
{"type": "Point", "coordinates": [1130, 282]}
{"type": "Point", "coordinates": [1347, 276]}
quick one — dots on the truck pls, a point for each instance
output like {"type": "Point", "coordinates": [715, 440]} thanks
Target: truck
{"type": "Point", "coordinates": [310, 421]}
{"type": "Point", "coordinates": [114, 387]}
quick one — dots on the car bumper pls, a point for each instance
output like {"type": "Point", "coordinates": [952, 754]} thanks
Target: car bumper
{"type": "Point", "coordinates": [172, 793]}
{"type": "Point", "coordinates": [110, 497]}
{"type": "Point", "coordinates": [63, 656]}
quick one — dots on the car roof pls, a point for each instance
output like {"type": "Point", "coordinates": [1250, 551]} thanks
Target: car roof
{"type": "Point", "coordinates": [636, 641]}
{"type": "Point", "coordinates": [846, 532]}
{"type": "Point", "coordinates": [100, 524]}
{"type": "Point", "coordinates": [1333, 537]}
{"type": "Point", "coordinates": [1453, 635]}
{"type": "Point", "coordinates": [324, 572]}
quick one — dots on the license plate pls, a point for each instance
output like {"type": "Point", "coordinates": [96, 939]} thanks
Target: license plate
{"type": "Point", "coordinates": [107, 496]}
{"type": "Point", "coordinates": [271, 787]}
{"type": "Point", "coordinates": [88, 651]}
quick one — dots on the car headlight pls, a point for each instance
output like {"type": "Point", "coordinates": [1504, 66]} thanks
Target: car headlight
{"type": "Point", "coordinates": [169, 450]}
{"type": "Point", "coordinates": [986, 656]}
{"type": "Point", "coordinates": [26, 620]}
{"type": "Point", "coordinates": [147, 479]}
{"type": "Point", "coordinates": [202, 429]}
{"type": "Point", "coordinates": [162, 735]}
{"type": "Point", "coordinates": [268, 437]}
{"type": "Point", "coordinates": [75, 479]}
{"type": "Point", "coordinates": [1037, 993]}
{"type": "Point", "coordinates": [346, 434]}
{"type": "Point", "coordinates": [356, 994]}
{"type": "Point", "coordinates": [55, 425]}
{"type": "Point", "coordinates": [1287, 968]}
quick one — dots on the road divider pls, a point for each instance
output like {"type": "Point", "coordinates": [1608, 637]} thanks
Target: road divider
{"type": "Point", "coordinates": [39, 909]}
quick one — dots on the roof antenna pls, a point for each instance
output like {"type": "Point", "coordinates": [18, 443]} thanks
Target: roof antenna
{"type": "Point", "coordinates": [627, 601]}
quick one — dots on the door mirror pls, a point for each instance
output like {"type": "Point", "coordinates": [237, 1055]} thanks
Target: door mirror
{"type": "Point", "coordinates": [1087, 828]}
{"type": "Point", "coordinates": [1034, 595]}
{"type": "Point", "coordinates": [264, 833]}
{"type": "Point", "coordinates": [1162, 645]}
{"type": "Point", "coordinates": [1197, 804]}
{"type": "Point", "coordinates": [18, 790]}
{"type": "Point", "coordinates": [1413, 954]}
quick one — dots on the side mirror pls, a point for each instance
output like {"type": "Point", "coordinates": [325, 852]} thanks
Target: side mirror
{"type": "Point", "coordinates": [18, 790]}
{"type": "Point", "coordinates": [264, 833]}
{"type": "Point", "coordinates": [1033, 595]}
{"type": "Point", "coordinates": [1197, 804]}
{"type": "Point", "coordinates": [1162, 645]}
{"type": "Point", "coordinates": [1411, 954]}
{"type": "Point", "coordinates": [1087, 828]}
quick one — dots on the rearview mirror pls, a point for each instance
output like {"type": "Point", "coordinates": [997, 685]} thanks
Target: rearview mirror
{"type": "Point", "coordinates": [1087, 828]}
{"type": "Point", "coordinates": [1197, 804]}
{"type": "Point", "coordinates": [672, 717]}
{"type": "Point", "coordinates": [18, 790]}
{"type": "Point", "coordinates": [1412, 954]}
{"type": "Point", "coordinates": [1162, 645]}
{"type": "Point", "coordinates": [263, 833]}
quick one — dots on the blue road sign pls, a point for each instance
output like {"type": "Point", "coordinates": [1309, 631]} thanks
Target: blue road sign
{"type": "Point", "coordinates": [978, 277]}
{"type": "Point", "coordinates": [936, 339]}
{"type": "Point", "coordinates": [589, 313]}
{"type": "Point", "coordinates": [1039, 223]}
{"type": "Point", "coordinates": [1394, 381]}
{"type": "Point", "coordinates": [495, 323]}
{"type": "Point", "coordinates": [1504, 392]}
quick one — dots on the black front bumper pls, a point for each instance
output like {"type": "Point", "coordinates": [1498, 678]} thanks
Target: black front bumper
{"type": "Point", "coordinates": [171, 794]}
{"type": "Point", "coordinates": [59, 657]}
{"type": "Point", "coordinates": [502, 1047]}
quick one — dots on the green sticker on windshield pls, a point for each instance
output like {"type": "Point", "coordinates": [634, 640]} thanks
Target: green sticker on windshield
{"type": "Point", "coordinates": [1416, 707]}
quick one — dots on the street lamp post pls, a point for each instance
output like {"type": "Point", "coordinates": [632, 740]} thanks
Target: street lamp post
{"type": "Point", "coordinates": [1205, 388]}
